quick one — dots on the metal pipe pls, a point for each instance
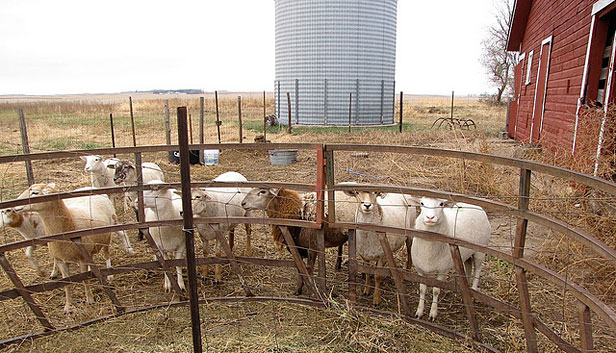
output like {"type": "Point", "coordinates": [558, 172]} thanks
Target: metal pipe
{"type": "Point", "coordinates": [189, 231]}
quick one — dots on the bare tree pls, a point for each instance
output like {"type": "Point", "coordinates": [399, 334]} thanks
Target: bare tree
{"type": "Point", "coordinates": [494, 57]}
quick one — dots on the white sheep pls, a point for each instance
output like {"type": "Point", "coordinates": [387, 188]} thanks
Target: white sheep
{"type": "Point", "coordinates": [220, 202]}
{"type": "Point", "coordinates": [125, 173]}
{"type": "Point", "coordinates": [386, 209]}
{"type": "Point", "coordinates": [61, 216]}
{"type": "Point", "coordinates": [29, 225]}
{"type": "Point", "coordinates": [100, 174]}
{"type": "Point", "coordinates": [456, 220]}
{"type": "Point", "coordinates": [163, 204]}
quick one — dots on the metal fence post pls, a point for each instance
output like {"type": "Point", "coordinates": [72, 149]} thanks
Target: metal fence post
{"type": "Point", "coordinates": [189, 230]}
{"type": "Point", "coordinates": [520, 273]}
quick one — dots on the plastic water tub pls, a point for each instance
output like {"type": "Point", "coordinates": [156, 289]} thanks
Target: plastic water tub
{"type": "Point", "coordinates": [282, 157]}
{"type": "Point", "coordinates": [210, 157]}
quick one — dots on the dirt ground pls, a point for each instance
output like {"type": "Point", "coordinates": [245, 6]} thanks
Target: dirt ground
{"type": "Point", "coordinates": [274, 326]}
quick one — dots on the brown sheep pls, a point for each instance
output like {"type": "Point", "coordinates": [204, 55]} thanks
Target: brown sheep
{"type": "Point", "coordinates": [84, 212]}
{"type": "Point", "coordinates": [284, 203]}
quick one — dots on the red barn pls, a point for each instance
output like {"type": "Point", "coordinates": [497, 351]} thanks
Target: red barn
{"type": "Point", "coordinates": [566, 61]}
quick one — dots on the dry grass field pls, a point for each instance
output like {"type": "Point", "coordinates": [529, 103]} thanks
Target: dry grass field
{"type": "Point", "coordinates": [82, 122]}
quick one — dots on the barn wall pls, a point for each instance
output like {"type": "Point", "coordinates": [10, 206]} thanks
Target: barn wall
{"type": "Point", "coordinates": [568, 22]}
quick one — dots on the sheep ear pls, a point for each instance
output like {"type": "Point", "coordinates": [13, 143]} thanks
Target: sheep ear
{"type": "Point", "coordinates": [274, 191]}
{"type": "Point", "coordinates": [111, 165]}
{"type": "Point", "coordinates": [350, 192]}
{"type": "Point", "coordinates": [83, 158]}
{"type": "Point", "coordinates": [381, 194]}
{"type": "Point", "coordinates": [449, 203]}
{"type": "Point", "coordinates": [413, 201]}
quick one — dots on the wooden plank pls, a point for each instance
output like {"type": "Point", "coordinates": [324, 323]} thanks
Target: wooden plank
{"type": "Point", "coordinates": [19, 286]}
{"type": "Point", "coordinates": [322, 278]}
{"type": "Point", "coordinates": [395, 273]}
{"type": "Point", "coordinates": [264, 120]}
{"type": "Point", "coordinates": [234, 265]}
{"type": "Point", "coordinates": [301, 266]}
{"type": "Point", "coordinates": [401, 108]}
{"type": "Point", "coordinates": [467, 298]}
{"type": "Point", "coordinates": [585, 328]}
{"type": "Point", "coordinates": [352, 280]}
{"type": "Point", "coordinates": [140, 205]}
{"type": "Point", "coordinates": [97, 273]}
{"type": "Point", "coordinates": [201, 127]}
{"type": "Point", "coordinates": [25, 146]}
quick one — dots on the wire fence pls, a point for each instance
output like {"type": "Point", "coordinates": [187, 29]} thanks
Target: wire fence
{"type": "Point", "coordinates": [562, 270]}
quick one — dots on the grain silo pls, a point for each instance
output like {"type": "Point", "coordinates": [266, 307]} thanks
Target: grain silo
{"type": "Point", "coordinates": [327, 50]}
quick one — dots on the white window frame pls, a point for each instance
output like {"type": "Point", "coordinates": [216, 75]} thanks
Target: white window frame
{"type": "Point", "coordinates": [529, 65]}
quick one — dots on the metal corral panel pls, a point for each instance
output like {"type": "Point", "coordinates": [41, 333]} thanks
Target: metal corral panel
{"type": "Point", "coordinates": [328, 49]}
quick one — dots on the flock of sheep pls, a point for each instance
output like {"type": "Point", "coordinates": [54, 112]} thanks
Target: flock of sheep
{"type": "Point", "coordinates": [463, 221]}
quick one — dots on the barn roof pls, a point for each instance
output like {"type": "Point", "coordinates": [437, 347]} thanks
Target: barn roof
{"type": "Point", "coordinates": [521, 11]}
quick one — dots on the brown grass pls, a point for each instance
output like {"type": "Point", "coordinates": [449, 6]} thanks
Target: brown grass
{"type": "Point", "coordinates": [273, 327]}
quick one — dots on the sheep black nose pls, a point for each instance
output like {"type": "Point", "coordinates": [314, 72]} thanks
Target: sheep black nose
{"type": "Point", "coordinates": [181, 213]}
{"type": "Point", "coordinates": [243, 204]}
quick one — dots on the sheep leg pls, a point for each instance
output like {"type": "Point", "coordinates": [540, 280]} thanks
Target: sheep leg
{"type": "Point", "coordinates": [435, 293]}
{"type": "Point", "coordinates": [248, 251]}
{"type": "Point", "coordinates": [32, 260]}
{"type": "Point", "coordinates": [231, 238]}
{"type": "Point", "coordinates": [83, 267]}
{"type": "Point", "coordinates": [54, 270]}
{"type": "Point", "coordinates": [178, 255]}
{"type": "Point", "coordinates": [107, 256]}
{"type": "Point", "coordinates": [167, 283]}
{"type": "Point", "coordinates": [218, 267]}
{"type": "Point", "coordinates": [468, 269]}
{"type": "Point", "coordinates": [127, 246]}
{"type": "Point", "coordinates": [140, 236]}
{"type": "Point", "coordinates": [367, 284]}
{"type": "Point", "coordinates": [422, 297]}
{"type": "Point", "coordinates": [478, 262]}
{"type": "Point", "coordinates": [300, 283]}
{"type": "Point", "coordinates": [312, 257]}
{"type": "Point", "coordinates": [68, 304]}
{"type": "Point", "coordinates": [376, 299]}
{"type": "Point", "coordinates": [206, 250]}
{"type": "Point", "coordinates": [339, 258]}
{"type": "Point", "coordinates": [409, 243]}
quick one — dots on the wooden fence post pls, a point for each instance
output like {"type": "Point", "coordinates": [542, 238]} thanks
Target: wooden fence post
{"type": "Point", "coordinates": [289, 109]}
{"type": "Point", "coordinates": [132, 121]}
{"type": "Point", "coordinates": [168, 129]}
{"type": "Point", "coordinates": [350, 108]}
{"type": "Point", "coordinates": [239, 114]}
{"type": "Point", "coordinates": [264, 120]}
{"type": "Point", "coordinates": [112, 132]}
{"type": "Point", "coordinates": [401, 109]}
{"type": "Point", "coordinates": [218, 122]}
{"type": "Point", "coordinates": [201, 125]}
{"type": "Point", "coordinates": [25, 146]}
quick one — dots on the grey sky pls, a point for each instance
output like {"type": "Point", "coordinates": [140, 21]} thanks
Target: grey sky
{"type": "Point", "coordinates": [67, 46]}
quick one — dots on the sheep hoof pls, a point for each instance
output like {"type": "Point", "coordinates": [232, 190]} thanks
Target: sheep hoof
{"type": "Point", "coordinates": [68, 309]}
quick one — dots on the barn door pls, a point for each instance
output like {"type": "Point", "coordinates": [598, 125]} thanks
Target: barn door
{"type": "Point", "coordinates": [540, 90]}
{"type": "Point", "coordinates": [515, 103]}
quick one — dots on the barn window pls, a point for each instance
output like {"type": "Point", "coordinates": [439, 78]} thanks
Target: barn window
{"type": "Point", "coordinates": [529, 64]}
{"type": "Point", "coordinates": [599, 56]}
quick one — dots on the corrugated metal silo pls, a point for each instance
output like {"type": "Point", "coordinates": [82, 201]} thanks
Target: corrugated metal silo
{"type": "Point", "coordinates": [328, 49]}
